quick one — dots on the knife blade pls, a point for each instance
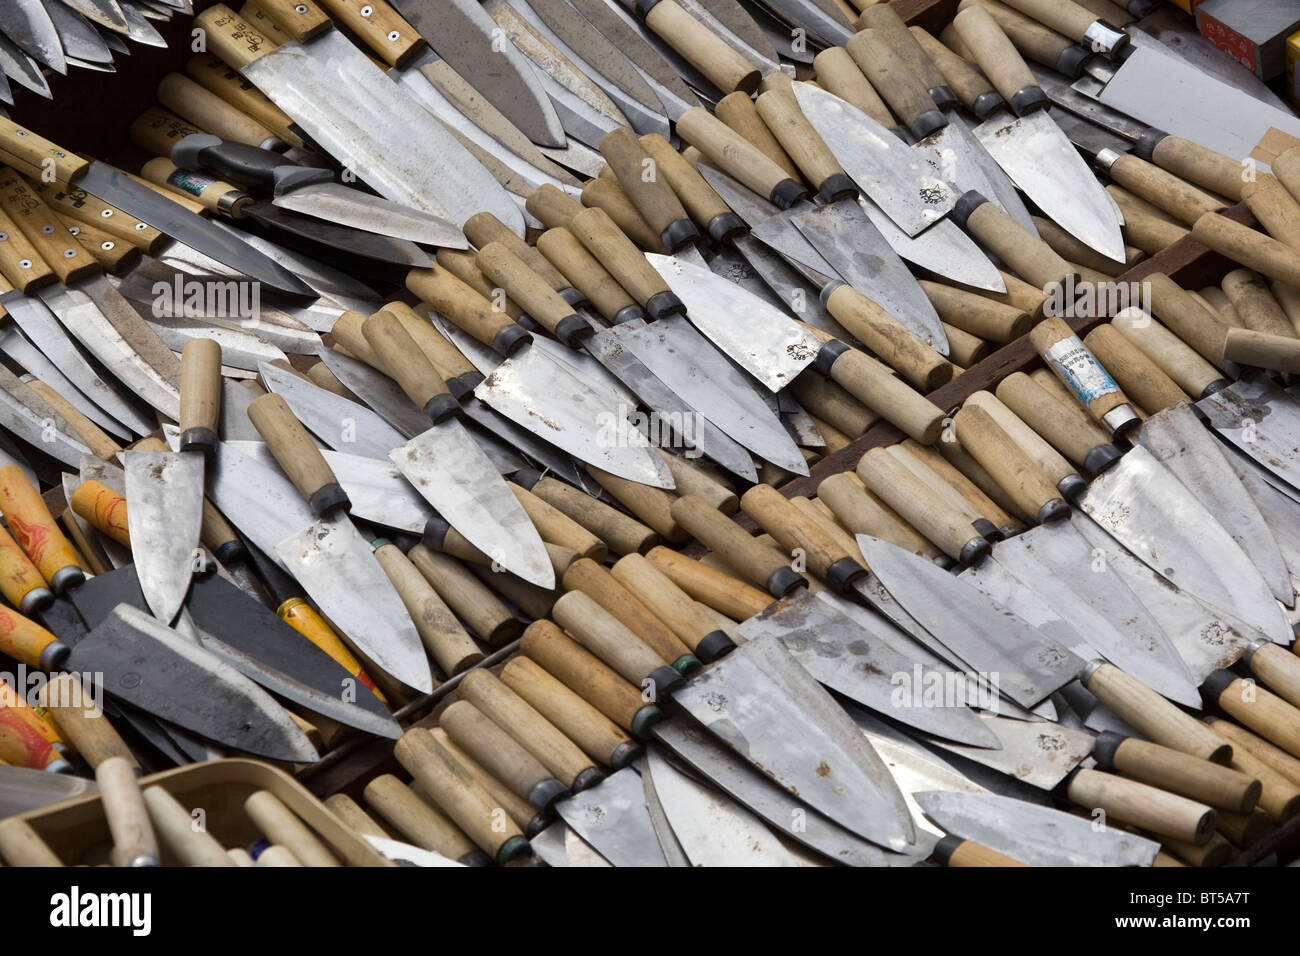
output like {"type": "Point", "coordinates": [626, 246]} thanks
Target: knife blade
{"type": "Point", "coordinates": [27, 23]}
{"type": "Point", "coordinates": [165, 490]}
{"type": "Point", "coordinates": [612, 817]}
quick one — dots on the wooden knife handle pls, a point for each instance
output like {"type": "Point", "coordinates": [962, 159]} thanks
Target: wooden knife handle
{"type": "Point", "coordinates": [483, 228]}
{"type": "Point", "coordinates": [43, 229]}
{"type": "Point", "coordinates": [1064, 16]}
{"type": "Point", "coordinates": [589, 677]}
{"type": "Point", "coordinates": [1150, 714]}
{"type": "Point", "coordinates": [597, 232]}
{"type": "Point", "coordinates": [302, 19]}
{"type": "Point", "coordinates": [1152, 809]}
{"type": "Point", "coordinates": [1146, 226]}
{"type": "Point", "coordinates": [781, 114]}
{"type": "Point", "coordinates": [740, 115]}
{"type": "Point", "coordinates": [113, 255]}
{"type": "Point", "coordinates": [482, 612]}
{"type": "Point", "coordinates": [604, 192]}
{"type": "Point", "coordinates": [954, 851]}
{"type": "Point", "coordinates": [1248, 247]}
{"type": "Point", "coordinates": [21, 845]}
{"type": "Point", "coordinates": [446, 359]}
{"type": "Point", "coordinates": [447, 642]}
{"type": "Point", "coordinates": [888, 26]}
{"type": "Point", "coordinates": [1271, 765]}
{"type": "Point", "coordinates": [1286, 168]}
{"type": "Point", "coordinates": [698, 198]}
{"type": "Point", "coordinates": [622, 533]}
{"type": "Point", "coordinates": [1253, 706]}
{"type": "Point", "coordinates": [82, 723]}
{"type": "Point", "coordinates": [464, 266]}
{"type": "Point", "coordinates": [999, 59]}
{"type": "Point", "coordinates": [1176, 772]}
{"type": "Point", "coordinates": [897, 82]}
{"type": "Point", "coordinates": [407, 364]}
{"type": "Point", "coordinates": [304, 619]}
{"type": "Point", "coordinates": [614, 643]}
{"type": "Point", "coordinates": [176, 831]}
{"type": "Point", "coordinates": [1197, 164]}
{"type": "Point", "coordinates": [134, 842]}
{"type": "Point", "coordinates": [988, 319]}
{"type": "Point", "coordinates": [794, 531]}
{"type": "Point", "coordinates": [907, 454]}
{"type": "Point", "coordinates": [80, 206]}
{"type": "Point", "coordinates": [468, 310]}
{"type": "Point", "coordinates": [920, 506]}
{"type": "Point", "coordinates": [598, 736]}
{"type": "Point", "coordinates": [556, 527]}
{"type": "Point", "coordinates": [20, 262]}
{"type": "Point", "coordinates": [1189, 320]}
{"type": "Point", "coordinates": [965, 80]}
{"type": "Point", "coordinates": [459, 795]}
{"type": "Point", "coordinates": [894, 343]}
{"type": "Point", "coordinates": [209, 112]}
{"type": "Point", "coordinates": [1162, 189]}
{"type": "Point", "coordinates": [1010, 464]}
{"type": "Point", "coordinates": [1080, 371]}
{"type": "Point", "coordinates": [862, 512]}
{"type": "Point", "coordinates": [552, 206]}
{"type": "Point", "coordinates": [104, 508]}
{"type": "Point", "coordinates": [1033, 259]}
{"type": "Point", "coordinates": [532, 731]}
{"type": "Point", "coordinates": [415, 820]}
{"type": "Point", "coordinates": [1275, 208]}
{"type": "Point", "coordinates": [200, 395]}
{"type": "Point", "coordinates": [709, 586]}
{"type": "Point", "coordinates": [30, 153]}
{"type": "Point", "coordinates": [214, 75]}
{"type": "Point", "coordinates": [1067, 426]}
{"type": "Point", "coordinates": [1276, 668]}
{"type": "Point", "coordinates": [701, 47]}
{"type": "Point", "coordinates": [761, 566]}
{"type": "Point", "coordinates": [1136, 374]}
{"type": "Point", "coordinates": [20, 579]}
{"type": "Point", "coordinates": [648, 188]}
{"type": "Point", "coordinates": [670, 604]}
{"type": "Point", "coordinates": [297, 454]}
{"type": "Point", "coordinates": [584, 272]}
{"type": "Point", "coordinates": [839, 74]}
{"type": "Point", "coordinates": [231, 37]}
{"type": "Point", "coordinates": [501, 754]}
{"type": "Point", "coordinates": [533, 293]}
{"type": "Point", "coordinates": [595, 581]}
{"type": "Point", "coordinates": [36, 532]}
{"type": "Point", "coordinates": [1174, 356]}
{"type": "Point", "coordinates": [1255, 305]}
{"type": "Point", "coordinates": [738, 157]}
{"type": "Point", "coordinates": [871, 383]}
{"type": "Point", "coordinates": [525, 816]}
{"type": "Point", "coordinates": [379, 26]}
{"type": "Point", "coordinates": [653, 506]}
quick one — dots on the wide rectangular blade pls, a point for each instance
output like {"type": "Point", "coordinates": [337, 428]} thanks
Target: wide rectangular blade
{"type": "Point", "coordinates": [1039, 753]}
{"type": "Point", "coordinates": [378, 391]}
{"type": "Point", "coordinates": [943, 249]}
{"type": "Point", "coordinates": [456, 477]}
{"type": "Point", "coordinates": [1027, 664]}
{"type": "Point", "coordinates": [339, 571]}
{"type": "Point", "coordinates": [1035, 835]}
{"type": "Point", "coordinates": [612, 817]}
{"type": "Point", "coordinates": [1042, 161]}
{"type": "Point", "coordinates": [165, 491]}
{"type": "Point", "coordinates": [1143, 506]}
{"type": "Point", "coordinates": [762, 704]}
{"type": "Point", "coordinates": [896, 177]}
{"type": "Point", "coordinates": [365, 120]}
{"type": "Point", "coordinates": [256, 497]}
{"type": "Point", "coordinates": [150, 666]}
{"type": "Point", "coordinates": [767, 344]}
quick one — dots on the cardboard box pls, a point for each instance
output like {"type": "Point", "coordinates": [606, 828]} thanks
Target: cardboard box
{"type": "Point", "coordinates": [1254, 32]}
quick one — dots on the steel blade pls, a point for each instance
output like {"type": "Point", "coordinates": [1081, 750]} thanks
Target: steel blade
{"type": "Point", "coordinates": [668, 842]}
{"type": "Point", "coordinates": [767, 708]}
{"type": "Point", "coordinates": [404, 854]}
{"type": "Point", "coordinates": [324, 280]}
{"type": "Point", "coordinates": [683, 360]}
{"type": "Point", "coordinates": [21, 68]}
{"type": "Point", "coordinates": [713, 830]}
{"type": "Point", "coordinates": [104, 12]}
{"type": "Point", "coordinates": [766, 344]}
{"type": "Point", "coordinates": [612, 817]}
{"type": "Point", "coordinates": [898, 178]}
{"type": "Point", "coordinates": [342, 424]}
{"type": "Point", "coordinates": [1039, 753]}
{"type": "Point", "coordinates": [27, 23]}
{"type": "Point", "coordinates": [538, 394]}
{"type": "Point", "coordinates": [80, 40]}
{"type": "Point", "coordinates": [666, 82]}
{"type": "Point", "coordinates": [26, 415]}
{"type": "Point", "coordinates": [152, 667]}
{"type": "Point", "coordinates": [1144, 507]}
{"type": "Point", "coordinates": [23, 789]}
{"type": "Point", "coordinates": [139, 28]}
{"type": "Point", "coordinates": [1020, 661]}
{"type": "Point", "coordinates": [1260, 419]}
{"type": "Point", "coordinates": [341, 204]}
{"type": "Point", "coordinates": [165, 491]}
{"type": "Point", "coordinates": [1058, 562]}
{"type": "Point", "coordinates": [338, 238]}
{"type": "Point", "coordinates": [1045, 165]}
{"type": "Point", "coordinates": [454, 476]}
{"type": "Point", "coordinates": [963, 141]}
{"type": "Point", "coordinates": [256, 498]}
{"type": "Point", "coordinates": [345, 103]}
{"type": "Point", "coordinates": [338, 570]}
{"type": "Point", "coordinates": [859, 253]}
{"type": "Point", "coordinates": [942, 249]}
{"type": "Point", "coordinates": [738, 29]}
{"type": "Point", "coordinates": [239, 349]}
{"type": "Point", "coordinates": [1179, 441]}
{"type": "Point", "coordinates": [830, 28]}
{"type": "Point", "coordinates": [1035, 835]}
{"type": "Point", "coordinates": [852, 661]}
{"type": "Point", "coordinates": [378, 391]}
{"type": "Point", "coordinates": [466, 37]}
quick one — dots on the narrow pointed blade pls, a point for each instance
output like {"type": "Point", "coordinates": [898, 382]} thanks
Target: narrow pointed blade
{"type": "Point", "coordinates": [466, 37]}
{"type": "Point", "coordinates": [850, 660]}
{"type": "Point", "coordinates": [342, 424]}
{"type": "Point", "coordinates": [713, 830]}
{"type": "Point", "coordinates": [337, 237]}
{"type": "Point", "coordinates": [963, 161]}
{"type": "Point", "coordinates": [749, 785]}
{"type": "Point", "coordinates": [855, 248]}
{"type": "Point", "coordinates": [104, 12]}
{"type": "Point", "coordinates": [338, 569]}
{"type": "Point", "coordinates": [766, 344]}
{"type": "Point", "coordinates": [1040, 753]}
{"type": "Point", "coordinates": [942, 249]}
{"type": "Point", "coordinates": [1144, 507]}
{"type": "Point", "coordinates": [672, 91]}
{"type": "Point", "coordinates": [1057, 562]}
{"type": "Point", "coordinates": [1180, 442]}
{"type": "Point", "coordinates": [538, 394]}
{"type": "Point", "coordinates": [340, 204]}
{"type": "Point", "coordinates": [612, 817]}
{"type": "Point", "coordinates": [1261, 420]}
{"type": "Point", "coordinates": [1023, 663]}
{"type": "Point", "coordinates": [150, 666]}
{"type": "Point", "coordinates": [21, 68]}
{"type": "Point", "coordinates": [18, 417]}
{"type": "Point", "coordinates": [456, 477]}
{"type": "Point", "coordinates": [668, 842]}
{"type": "Point", "coordinates": [1045, 165]}
{"type": "Point", "coordinates": [378, 391]}
{"type": "Point", "coordinates": [1035, 835]}
{"type": "Point", "coordinates": [897, 178]}
{"type": "Point", "coordinates": [27, 24]}
{"type": "Point", "coordinates": [688, 364]}
{"type": "Point", "coordinates": [23, 789]}
{"type": "Point", "coordinates": [767, 708]}
{"type": "Point", "coordinates": [165, 514]}
{"type": "Point", "coordinates": [345, 103]}
{"type": "Point", "coordinates": [14, 345]}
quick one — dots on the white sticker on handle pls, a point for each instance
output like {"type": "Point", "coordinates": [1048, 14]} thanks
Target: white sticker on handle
{"type": "Point", "coordinates": [1074, 364]}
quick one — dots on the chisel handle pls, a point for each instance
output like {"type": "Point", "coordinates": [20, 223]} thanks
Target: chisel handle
{"type": "Point", "coordinates": [780, 112]}
{"type": "Point", "coordinates": [134, 842]}
{"type": "Point", "coordinates": [920, 506]}
{"type": "Point", "coordinates": [36, 532]}
{"type": "Point", "coordinates": [533, 293]}
{"type": "Point", "coordinates": [735, 155]}
{"type": "Point", "coordinates": [1153, 716]}
{"type": "Point", "coordinates": [297, 454]}
{"type": "Point", "coordinates": [761, 566]}
{"type": "Point", "coordinates": [999, 60]}
{"type": "Point", "coordinates": [200, 395]}
{"type": "Point", "coordinates": [176, 831]}
{"type": "Point", "coordinates": [648, 189]}
{"type": "Point", "coordinates": [404, 361]}
{"type": "Point", "coordinates": [1070, 429]}
{"type": "Point", "coordinates": [1152, 809]}
{"type": "Point", "coordinates": [897, 82]}
{"type": "Point", "coordinates": [1176, 772]}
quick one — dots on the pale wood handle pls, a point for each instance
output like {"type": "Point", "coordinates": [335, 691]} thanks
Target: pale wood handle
{"type": "Point", "coordinates": [919, 505]}
{"type": "Point", "coordinates": [724, 67]}
{"type": "Point", "coordinates": [283, 827]}
{"type": "Point", "coordinates": [209, 112]}
{"type": "Point", "coordinates": [989, 319]}
{"type": "Point", "coordinates": [894, 343]}
{"type": "Point", "coordinates": [380, 27]}
{"type": "Point", "coordinates": [639, 176]}
{"type": "Point", "coordinates": [862, 512]}
{"type": "Point", "coordinates": [451, 648]}
{"type": "Point", "coordinates": [1039, 43]}
{"type": "Point", "coordinates": [1255, 305]}
{"type": "Point", "coordinates": [971, 86]}
{"type": "Point", "coordinates": [552, 206]}
{"type": "Point", "coordinates": [871, 383]}
{"type": "Point", "coordinates": [1014, 468]}
{"type": "Point", "coordinates": [297, 454]}
{"type": "Point", "coordinates": [1197, 164]}
{"type": "Point", "coordinates": [602, 587]}
{"type": "Point", "coordinates": [839, 74]}
{"type": "Point", "coordinates": [897, 82]}
{"type": "Point", "coordinates": [709, 586]}
{"type": "Point", "coordinates": [587, 275]}
{"type": "Point", "coordinates": [1262, 711]}
{"type": "Point", "coordinates": [598, 736]}
{"type": "Point", "coordinates": [622, 533]}
{"type": "Point", "coordinates": [407, 364]}
{"type": "Point", "coordinates": [760, 566]}
{"type": "Point", "coordinates": [1180, 773]}
{"type": "Point", "coordinates": [1146, 226]}
{"type": "Point", "coordinates": [1189, 320]}
{"type": "Point", "coordinates": [795, 531]}
{"type": "Point", "coordinates": [1136, 374]}
{"type": "Point", "coordinates": [483, 228]}
{"type": "Point", "coordinates": [740, 115]}
{"type": "Point", "coordinates": [968, 853]}
{"type": "Point", "coordinates": [212, 73]}
{"type": "Point", "coordinates": [1175, 357]}
{"type": "Point", "coordinates": [735, 155]}
{"type": "Point", "coordinates": [482, 612]}
{"type": "Point", "coordinates": [1154, 717]}
{"type": "Point", "coordinates": [414, 819]}
{"type": "Point", "coordinates": [1163, 190]}
{"type": "Point", "coordinates": [1252, 249]}
{"type": "Point", "coordinates": [595, 229]}
{"type": "Point", "coordinates": [533, 293]}
{"type": "Point", "coordinates": [994, 52]}
{"type": "Point", "coordinates": [82, 723]}
{"type": "Point", "coordinates": [1063, 16]}
{"type": "Point", "coordinates": [1066, 425]}
{"type": "Point", "coordinates": [781, 114]}
{"type": "Point", "coordinates": [180, 833]}
{"type": "Point", "coordinates": [605, 193]}
{"type": "Point", "coordinates": [1152, 809]}
{"type": "Point", "coordinates": [1033, 259]}
{"type": "Point", "coordinates": [465, 308]}
{"type": "Point", "coordinates": [200, 395]}
{"type": "Point", "coordinates": [608, 638]}
{"type": "Point", "coordinates": [496, 750]}
{"type": "Point", "coordinates": [21, 845]}
{"type": "Point", "coordinates": [526, 816]}
{"type": "Point", "coordinates": [703, 204]}
{"type": "Point", "coordinates": [134, 843]}
{"type": "Point", "coordinates": [672, 605]}
{"type": "Point", "coordinates": [1077, 368]}
{"type": "Point", "coordinates": [230, 37]}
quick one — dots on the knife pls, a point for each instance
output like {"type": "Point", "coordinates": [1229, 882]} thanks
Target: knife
{"type": "Point", "coordinates": [27, 23]}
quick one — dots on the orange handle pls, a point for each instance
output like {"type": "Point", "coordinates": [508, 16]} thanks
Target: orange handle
{"type": "Point", "coordinates": [26, 641]}
{"type": "Point", "coordinates": [20, 581]}
{"type": "Point", "coordinates": [22, 743]}
{"type": "Point", "coordinates": [36, 716]}
{"type": "Point", "coordinates": [104, 508]}
{"type": "Point", "coordinates": [34, 529]}
{"type": "Point", "coordinates": [303, 618]}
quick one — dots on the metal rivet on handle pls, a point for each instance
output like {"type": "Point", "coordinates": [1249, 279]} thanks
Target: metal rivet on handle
{"type": "Point", "coordinates": [4, 237]}
{"type": "Point", "coordinates": [394, 36]}
{"type": "Point", "coordinates": [47, 229]}
{"type": "Point", "coordinates": [24, 263]}
{"type": "Point", "coordinates": [300, 8]}
{"type": "Point", "coordinates": [367, 10]}
{"type": "Point", "coordinates": [141, 227]}
{"type": "Point", "coordinates": [69, 253]}
{"type": "Point", "coordinates": [108, 245]}
{"type": "Point", "coordinates": [105, 213]}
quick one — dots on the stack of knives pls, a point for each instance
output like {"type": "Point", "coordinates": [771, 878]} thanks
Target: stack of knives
{"type": "Point", "coordinates": [422, 390]}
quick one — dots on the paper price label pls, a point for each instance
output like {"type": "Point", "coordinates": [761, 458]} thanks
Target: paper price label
{"type": "Point", "coordinates": [1075, 365]}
